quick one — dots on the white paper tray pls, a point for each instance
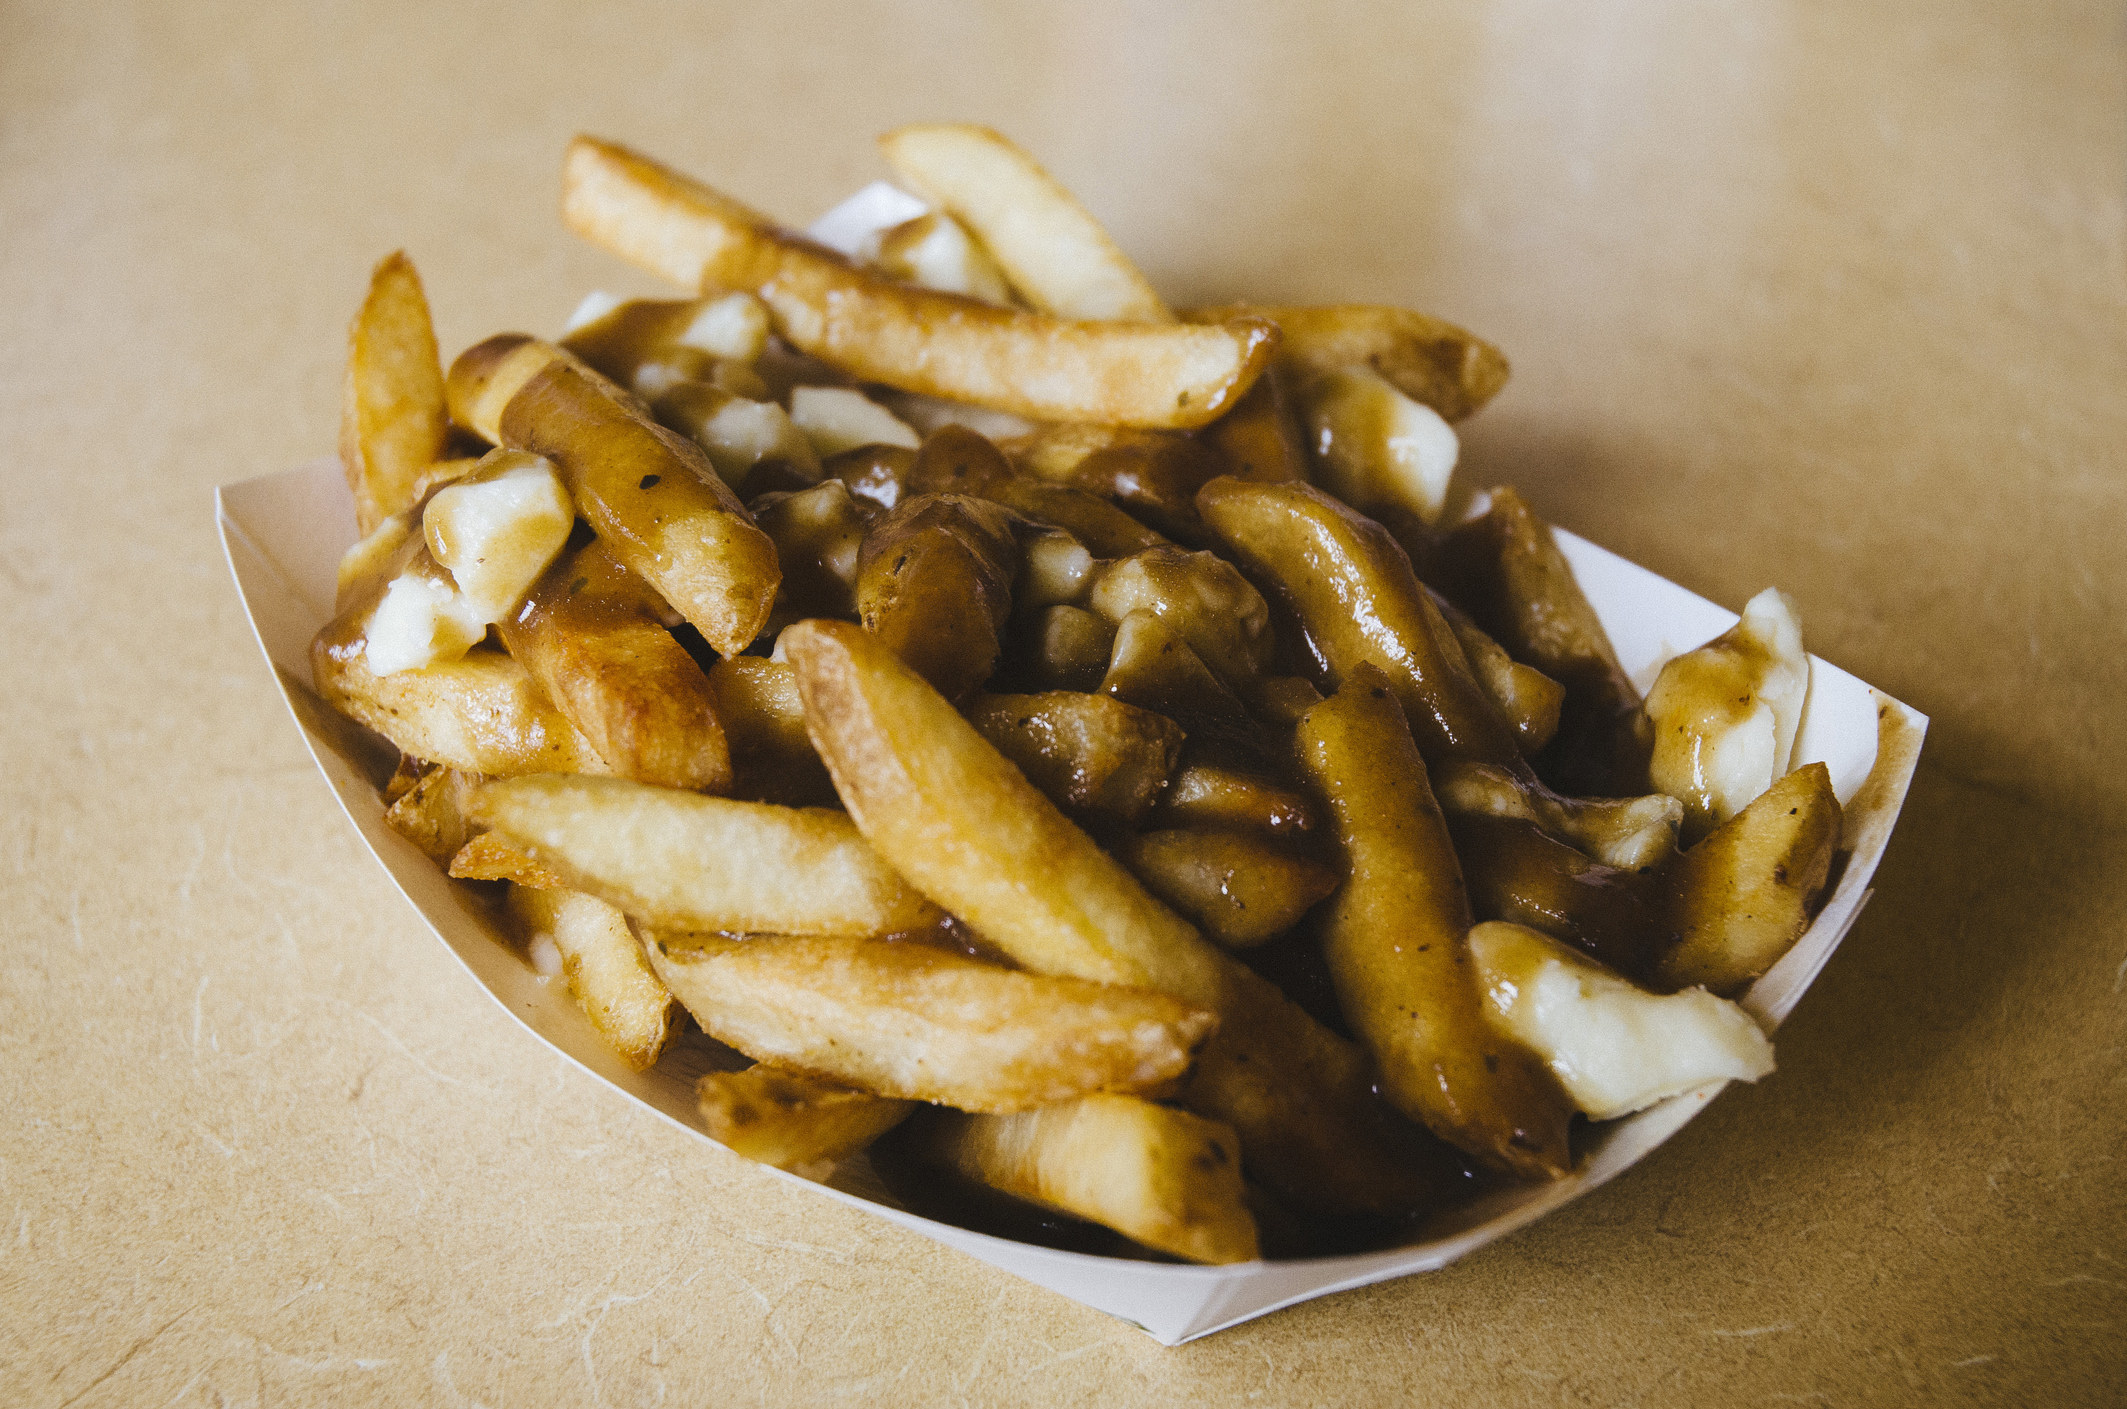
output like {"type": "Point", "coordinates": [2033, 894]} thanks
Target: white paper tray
{"type": "Point", "coordinates": [284, 535]}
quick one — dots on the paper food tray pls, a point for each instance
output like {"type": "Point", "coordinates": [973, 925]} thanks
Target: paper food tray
{"type": "Point", "coordinates": [284, 535]}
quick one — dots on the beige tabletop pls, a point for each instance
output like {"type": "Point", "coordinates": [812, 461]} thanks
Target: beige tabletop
{"type": "Point", "coordinates": [1827, 296]}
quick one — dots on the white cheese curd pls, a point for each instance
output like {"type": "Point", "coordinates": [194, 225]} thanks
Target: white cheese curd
{"type": "Point", "coordinates": [738, 434]}
{"type": "Point", "coordinates": [1726, 714]}
{"type": "Point", "coordinates": [1377, 446]}
{"type": "Point", "coordinates": [497, 529]}
{"type": "Point", "coordinates": [596, 305]}
{"type": "Point", "coordinates": [936, 252]}
{"type": "Point", "coordinates": [421, 619]}
{"type": "Point", "coordinates": [1615, 1047]}
{"type": "Point", "coordinates": [853, 227]}
{"type": "Point", "coordinates": [734, 326]}
{"type": "Point", "coordinates": [835, 419]}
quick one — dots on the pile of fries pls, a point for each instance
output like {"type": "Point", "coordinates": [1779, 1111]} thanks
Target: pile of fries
{"type": "Point", "coordinates": [1061, 740]}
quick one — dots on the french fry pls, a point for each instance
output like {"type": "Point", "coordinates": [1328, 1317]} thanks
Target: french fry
{"type": "Point", "coordinates": [878, 330]}
{"type": "Point", "coordinates": [1453, 371]}
{"type": "Point", "coordinates": [1240, 888]}
{"type": "Point", "coordinates": [487, 857]}
{"type": "Point", "coordinates": [657, 504]}
{"type": "Point", "coordinates": [1395, 939]}
{"type": "Point", "coordinates": [1746, 893]}
{"type": "Point", "coordinates": [1154, 475]}
{"type": "Point", "coordinates": [1525, 697]}
{"type": "Point", "coordinates": [481, 713]}
{"type": "Point", "coordinates": [588, 633]}
{"type": "Point", "coordinates": [1262, 437]}
{"type": "Point", "coordinates": [1207, 794]}
{"type": "Point", "coordinates": [913, 1022]}
{"type": "Point", "coordinates": [393, 426]}
{"type": "Point", "coordinates": [1166, 1178]}
{"type": "Point", "coordinates": [966, 828]}
{"type": "Point", "coordinates": [606, 971]}
{"type": "Point", "coordinates": [934, 583]}
{"type": "Point", "coordinates": [1096, 758]}
{"type": "Point", "coordinates": [757, 699]}
{"type": "Point", "coordinates": [684, 861]}
{"type": "Point", "coordinates": [793, 1121]}
{"type": "Point", "coordinates": [431, 814]}
{"type": "Point", "coordinates": [1054, 252]}
{"type": "Point", "coordinates": [1517, 873]}
{"type": "Point", "coordinates": [1505, 569]}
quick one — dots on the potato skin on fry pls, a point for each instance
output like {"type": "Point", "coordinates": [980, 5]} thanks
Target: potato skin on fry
{"type": "Point", "coordinates": [393, 426]}
{"type": "Point", "coordinates": [588, 636]}
{"type": "Point", "coordinates": [913, 1022]}
{"type": "Point", "coordinates": [1166, 1178]}
{"type": "Point", "coordinates": [685, 861]}
{"type": "Point", "coordinates": [611, 980]}
{"type": "Point", "coordinates": [1395, 937]}
{"type": "Point", "coordinates": [658, 505]}
{"type": "Point", "coordinates": [1048, 369]}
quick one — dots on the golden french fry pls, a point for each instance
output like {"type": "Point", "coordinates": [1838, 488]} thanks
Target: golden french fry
{"type": "Point", "coordinates": [1166, 1178]}
{"type": "Point", "coordinates": [1745, 894]}
{"type": "Point", "coordinates": [589, 635]}
{"type": "Point", "coordinates": [1396, 934]}
{"type": "Point", "coordinates": [657, 503]}
{"type": "Point", "coordinates": [431, 814]}
{"type": "Point", "coordinates": [685, 861]}
{"type": "Point", "coordinates": [481, 713]}
{"type": "Point", "coordinates": [878, 330]}
{"type": "Point", "coordinates": [793, 1121]}
{"type": "Point", "coordinates": [1093, 756]}
{"type": "Point", "coordinates": [1240, 888]}
{"type": "Point", "coordinates": [966, 828]}
{"type": "Point", "coordinates": [605, 967]}
{"type": "Point", "coordinates": [1051, 248]}
{"type": "Point", "coordinates": [487, 857]}
{"type": "Point", "coordinates": [1450, 370]}
{"type": "Point", "coordinates": [1505, 569]}
{"type": "Point", "coordinates": [918, 1023]}
{"type": "Point", "coordinates": [392, 423]}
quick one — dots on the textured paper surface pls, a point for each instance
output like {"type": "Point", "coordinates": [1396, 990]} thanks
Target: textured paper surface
{"type": "Point", "coordinates": [1828, 296]}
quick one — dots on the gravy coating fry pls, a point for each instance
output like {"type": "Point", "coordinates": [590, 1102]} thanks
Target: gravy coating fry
{"type": "Point", "coordinates": [1525, 697]}
{"type": "Point", "coordinates": [612, 981]}
{"type": "Point", "coordinates": [1505, 569]}
{"type": "Point", "coordinates": [934, 583]}
{"type": "Point", "coordinates": [1518, 874]}
{"type": "Point", "coordinates": [793, 1121]}
{"type": "Point", "coordinates": [392, 423]}
{"type": "Point", "coordinates": [967, 829]}
{"type": "Point", "coordinates": [686, 861]}
{"type": "Point", "coordinates": [1427, 359]}
{"type": "Point", "coordinates": [1053, 251]}
{"type": "Point", "coordinates": [1396, 934]}
{"type": "Point", "coordinates": [1242, 889]}
{"type": "Point", "coordinates": [772, 758]}
{"type": "Point", "coordinates": [1166, 1178]}
{"type": "Point", "coordinates": [1153, 474]}
{"type": "Point", "coordinates": [1095, 757]}
{"type": "Point", "coordinates": [589, 635]}
{"type": "Point", "coordinates": [879, 330]}
{"type": "Point", "coordinates": [658, 505]}
{"type": "Point", "coordinates": [917, 1023]}
{"type": "Point", "coordinates": [1746, 893]}
{"type": "Point", "coordinates": [1351, 589]}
